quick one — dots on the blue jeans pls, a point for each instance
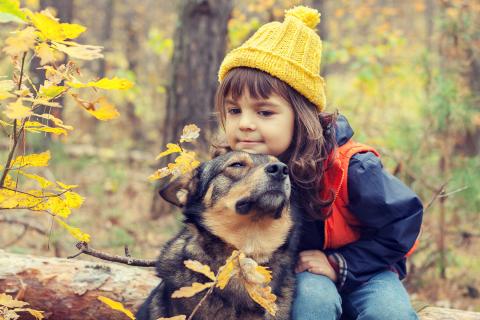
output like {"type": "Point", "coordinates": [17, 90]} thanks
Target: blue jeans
{"type": "Point", "coordinates": [383, 297]}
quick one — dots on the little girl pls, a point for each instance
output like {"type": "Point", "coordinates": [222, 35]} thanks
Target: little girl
{"type": "Point", "coordinates": [359, 222]}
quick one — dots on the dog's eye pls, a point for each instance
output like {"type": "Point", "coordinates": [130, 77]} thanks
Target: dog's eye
{"type": "Point", "coordinates": [237, 165]}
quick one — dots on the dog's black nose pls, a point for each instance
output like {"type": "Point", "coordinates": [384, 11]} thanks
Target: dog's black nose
{"type": "Point", "coordinates": [277, 170]}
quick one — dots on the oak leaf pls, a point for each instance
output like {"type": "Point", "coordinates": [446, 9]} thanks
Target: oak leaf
{"type": "Point", "coordinates": [186, 292]}
{"type": "Point", "coordinates": [32, 160]}
{"type": "Point", "coordinates": [20, 42]}
{"type": "Point", "coordinates": [104, 83]}
{"type": "Point", "coordinates": [17, 111]}
{"type": "Point", "coordinates": [116, 306]}
{"type": "Point", "coordinates": [190, 132]}
{"type": "Point", "coordinates": [200, 268]}
{"type": "Point", "coordinates": [75, 232]}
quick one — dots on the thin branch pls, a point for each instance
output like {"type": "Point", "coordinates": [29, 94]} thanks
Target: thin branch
{"type": "Point", "coordinates": [439, 192]}
{"type": "Point", "coordinates": [84, 248]}
{"type": "Point", "coordinates": [453, 192]}
{"type": "Point", "coordinates": [40, 197]}
{"type": "Point", "coordinates": [25, 223]}
{"type": "Point", "coordinates": [15, 137]}
{"type": "Point", "coordinates": [18, 238]}
{"type": "Point", "coordinates": [210, 290]}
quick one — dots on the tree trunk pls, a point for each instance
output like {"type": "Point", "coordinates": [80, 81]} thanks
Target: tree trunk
{"type": "Point", "coordinates": [107, 25]}
{"type": "Point", "coordinates": [68, 289]}
{"type": "Point", "coordinates": [321, 6]}
{"type": "Point", "coordinates": [133, 55]}
{"type": "Point", "coordinates": [200, 42]}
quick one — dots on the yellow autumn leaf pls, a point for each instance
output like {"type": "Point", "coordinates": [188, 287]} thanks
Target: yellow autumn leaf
{"type": "Point", "coordinates": [228, 270]}
{"type": "Point", "coordinates": [44, 183]}
{"type": "Point", "coordinates": [75, 232]}
{"type": "Point", "coordinates": [42, 101]}
{"type": "Point", "coordinates": [6, 95]}
{"type": "Point", "coordinates": [159, 174]}
{"type": "Point", "coordinates": [189, 133]}
{"type": "Point", "coordinates": [184, 163]}
{"type": "Point", "coordinates": [104, 83]}
{"type": "Point", "coordinates": [186, 292]}
{"type": "Point", "coordinates": [36, 313]}
{"type": "Point", "coordinates": [17, 111]}
{"type": "Point", "coordinates": [66, 186]}
{"type": "Point", "coordinates": [20, 42]}
{"type": "Point", "coordinates": [51, 29]}
{"type": "Point", "coordinates": [9, 182]}
{"type": "Point", "coordinates": [263, 296]}
{"type": "Point", "coordinates": [171, 148]}
{"type": "Point", "coordinates": [9, 302]}
{"type": "Point", "coordinates": [51, 91]}
{"type": "Point", "coordinates": [47, 54]}
{"type": "Point", "coordinates": [10, 11]}
{"type": "Point", "coordinates": [55, 76]}
{"type": "Point", "coordinates": [5, 87]}
{"type": "Point", "coordinates": [55, 205]}
{"type": "Point", "coordinates": [252, 272]}
{"type": "Point", "coordinates": [32, 160]}
{"type": "Point", "coordinates": [34, 126]}
{"type": "Point", "coordinates": [105, 110]}
{"type": "Point", "coordinates": [116, 306]}
{"type": "Point", "coordinates": [200, 268]}
{"type": "Point", "coordinates": [73, 199]}
{"type": "Point", "coordinates": [180, 317]}
{"type": "Point", "coordinates": [28, 199]}
{"type": "Point", "coordinates": [75, 50]}
{"type": "Point", "coordinates": [8, 199]}
{"type": "Point", "coordinates": [58, 122]}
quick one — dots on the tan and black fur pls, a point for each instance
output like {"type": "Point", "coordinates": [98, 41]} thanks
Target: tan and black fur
{"type": "Point", "coordinates": [235, 201]}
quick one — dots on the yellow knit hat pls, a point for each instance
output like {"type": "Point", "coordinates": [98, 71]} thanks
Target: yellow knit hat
{"type": "Point", "coordinates": [290, 51]}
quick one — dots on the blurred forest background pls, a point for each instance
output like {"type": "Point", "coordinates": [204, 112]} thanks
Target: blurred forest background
{"type": "Point", "coordinates": [405, 73]}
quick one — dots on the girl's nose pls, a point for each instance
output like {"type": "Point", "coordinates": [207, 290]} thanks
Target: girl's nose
{"type": "Point", "coordinates": [246, 122]}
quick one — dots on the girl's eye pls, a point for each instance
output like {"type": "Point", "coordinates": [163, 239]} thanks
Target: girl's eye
{"type": "Point", "coordinates": [233, 110]}
{"type": "Point", "coordinates": [237, 165]}
{"type": "Point", "coordinates": [265, 113]}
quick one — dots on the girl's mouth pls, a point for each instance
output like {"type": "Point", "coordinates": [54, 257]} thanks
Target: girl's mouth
{"type": "Point", "coordinates": [244, 142]}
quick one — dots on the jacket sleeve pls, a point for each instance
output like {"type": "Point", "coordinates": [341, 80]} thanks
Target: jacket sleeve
{"type": "Point", "coordinates": [390, 214]}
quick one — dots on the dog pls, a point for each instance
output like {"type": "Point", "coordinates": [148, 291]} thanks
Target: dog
{"type": "Point", "coordinates": [236, 201]}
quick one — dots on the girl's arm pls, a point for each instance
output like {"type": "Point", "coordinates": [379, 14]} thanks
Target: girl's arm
{"type": "Point", "coordinates": [391, 214]}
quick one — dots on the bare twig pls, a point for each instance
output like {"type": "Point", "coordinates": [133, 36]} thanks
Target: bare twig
{"type": "Point", "coordinates": [453, 192]}
{"type": "Point", "coordinates": [14, 135]}
{"type": "Point", "coordinates": [84, 248]}
{"type": "Point", "coordinates": [439, 192]}
{"type": "Point", "coordinates": [210, 290]}
{"type": "Point", "coordinates": [25, 223]}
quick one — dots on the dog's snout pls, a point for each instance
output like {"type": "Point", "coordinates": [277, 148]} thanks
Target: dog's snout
{"type": "Point", "coordinates": [277, 170]}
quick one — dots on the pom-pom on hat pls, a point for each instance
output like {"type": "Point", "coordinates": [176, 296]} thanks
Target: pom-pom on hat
{"type": "Point", "coordinates": [290, 51]}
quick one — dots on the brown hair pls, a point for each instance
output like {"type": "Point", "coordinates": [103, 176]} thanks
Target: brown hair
{"type": "Point", "coordinates": [314, 134]}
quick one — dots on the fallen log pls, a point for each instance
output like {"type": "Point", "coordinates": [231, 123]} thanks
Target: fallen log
{"type": "Point", "coordinates": [68, 289]}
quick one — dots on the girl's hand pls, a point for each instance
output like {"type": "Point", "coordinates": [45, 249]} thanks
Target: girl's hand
{"type": "Point", "coordinates": [315, 261]}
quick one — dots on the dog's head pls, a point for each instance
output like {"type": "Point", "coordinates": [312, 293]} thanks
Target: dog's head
{"type": "Point", "coordinates": [239, 197]}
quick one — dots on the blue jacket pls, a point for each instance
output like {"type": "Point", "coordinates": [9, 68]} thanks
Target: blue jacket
{"type": "Point", "coordinates": [390, 213]}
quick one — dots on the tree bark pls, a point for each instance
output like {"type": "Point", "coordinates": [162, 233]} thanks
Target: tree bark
{"type": "Point", "coordinates": [200, 43]}
{"type": "Point", "coordinates": [68, 289]}
{"type": "Point", "coordinates": [321, 6]}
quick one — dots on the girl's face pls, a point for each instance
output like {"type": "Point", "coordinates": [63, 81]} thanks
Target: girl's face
{"type": "Point", "coordinates": [259, 125]}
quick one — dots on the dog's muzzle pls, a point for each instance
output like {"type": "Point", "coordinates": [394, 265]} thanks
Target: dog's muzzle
{"type": "Point", "coordinates": [271, 196]}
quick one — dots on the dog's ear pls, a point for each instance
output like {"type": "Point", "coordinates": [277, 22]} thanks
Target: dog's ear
{"type": "Point", "coordinates": [219, 150]}
{"type": "Point", "coordinates": [177, 190]}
